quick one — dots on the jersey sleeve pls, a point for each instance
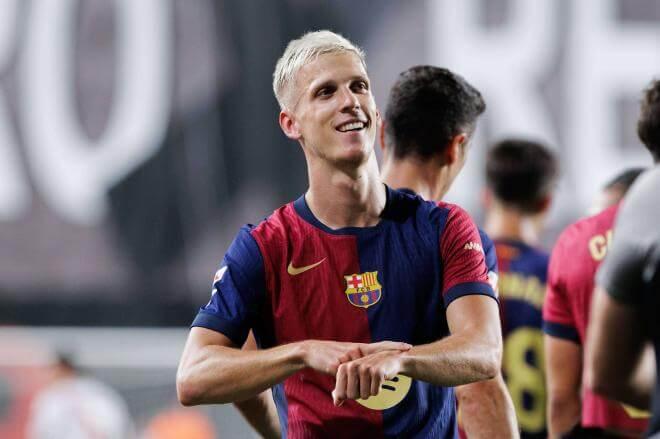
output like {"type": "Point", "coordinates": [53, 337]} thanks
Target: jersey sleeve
{"type": "Point", "coordinates": [558, 320]}
{"type": "Point", "coordinates": [490, 255]}
{"type": "Point", "coordinates": [464, 265]}
{"type": "Point", "coordinates": [238, 291]}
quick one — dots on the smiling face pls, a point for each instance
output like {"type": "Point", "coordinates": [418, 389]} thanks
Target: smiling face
{"type": "Point", "coordinates": [332, 111]}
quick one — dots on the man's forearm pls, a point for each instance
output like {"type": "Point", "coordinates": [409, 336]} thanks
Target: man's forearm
{"type": "Point", "coordinates": [219, 374]}
{"type": "Point", "coordinates": [452, 361]}
{"type": "Point", "coordinates": [643, 380]}
{"type": "Point", "coordinates": [487, 410]}
{"type": "Point", "coordinates": [473, 351]}
{"type": "Point", "coordinates": [563, 414]}
{"type": "Point", "coordinates": [211, 371]}
{"type": "Point", "coordinates": [615, 341]}
{"type": "Point", "coordinates": [260, 412]}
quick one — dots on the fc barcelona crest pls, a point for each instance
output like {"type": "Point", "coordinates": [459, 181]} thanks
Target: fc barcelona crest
{"type": "Point", "coordinates": [363, 289]}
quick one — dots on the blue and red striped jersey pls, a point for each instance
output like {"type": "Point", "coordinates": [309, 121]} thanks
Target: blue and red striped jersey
{"type": "Point", "coordinates": [291, 278]}
{"type": "Point", "coordinates": [522, 277]}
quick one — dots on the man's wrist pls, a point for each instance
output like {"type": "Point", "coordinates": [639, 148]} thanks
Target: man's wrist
{"type": "Point", "coordinates": [408, 363]}
{"type": "Point", "coordinates": [298, 354]}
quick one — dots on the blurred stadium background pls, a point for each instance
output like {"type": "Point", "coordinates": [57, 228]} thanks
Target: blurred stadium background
{"type": "Point", "coordinates": [136, 137]}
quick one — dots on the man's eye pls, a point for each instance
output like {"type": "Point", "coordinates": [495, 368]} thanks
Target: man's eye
{"type": "Point", "coordinates": [325, 91]}
{"type": "Point", "coordinates": [361, 85]}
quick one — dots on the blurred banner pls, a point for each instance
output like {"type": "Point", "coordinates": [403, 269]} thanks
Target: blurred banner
{"type": "Point", "coordinates": [136, 136]}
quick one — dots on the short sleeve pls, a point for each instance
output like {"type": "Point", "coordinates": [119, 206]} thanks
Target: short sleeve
{"type": "Point", "coordinates": [464, 265]}
{"type": "Point", "coordinates": [490, 255]}
{"type": "Point", "coordinates": [558, 320]}
{"type": "Point", "coordinates": [238, 291]}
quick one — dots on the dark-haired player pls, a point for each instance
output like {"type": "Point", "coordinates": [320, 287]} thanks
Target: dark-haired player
{"type": "Point", "coordinates": [367, 303]}
{"type": "Point", "coordinates": [627, 298]}
{"type": "Point", "coordinates": [614, 190]}
{"type": "Point", "coordinates": [430, 118]}
{"type": "Point", "coordinates": [520, 177]}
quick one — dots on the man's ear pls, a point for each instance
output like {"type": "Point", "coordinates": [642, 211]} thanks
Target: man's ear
{"type": "Point", "coordinates": [545, 203]}
{"type": "Point", "coordinates": [455, 148]}
{"type": "Point", "coordinates": [289, 125]}
{"type": "Point", "coordinates": [381, 136]}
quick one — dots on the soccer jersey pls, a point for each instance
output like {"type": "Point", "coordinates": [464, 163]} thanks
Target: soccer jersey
{"type": "Point", "coordinates": [577, 255]}
{"type": "Point", "coordinates": [291, 278]}
{"type": "Point", "coordinates": [631, 273]}
{"type": "Point", "coordinates": [522, 276]}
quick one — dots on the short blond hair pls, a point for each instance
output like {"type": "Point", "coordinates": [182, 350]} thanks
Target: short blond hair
{"type": "Point", "coordinates": [304, 50]}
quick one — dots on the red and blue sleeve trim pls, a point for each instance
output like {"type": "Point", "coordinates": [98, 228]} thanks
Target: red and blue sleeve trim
{"type": "Point", "coordinates": [562, 331]}
{"type": "Point", "coordinates": [467, 289]}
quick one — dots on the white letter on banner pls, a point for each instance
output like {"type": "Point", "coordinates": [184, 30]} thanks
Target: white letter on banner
{"type": "Point", "coordinates": [73, 172]}
{"type": "Point", "coordinates": [606, 60]}
{"type": "Point", "coordinates": [15, 193]}
{"type": "Point", "coordinates": [506, 64]}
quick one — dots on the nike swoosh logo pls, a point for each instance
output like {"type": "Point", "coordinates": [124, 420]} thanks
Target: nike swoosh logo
{"type": "Point", "coordinates": [294, 271]}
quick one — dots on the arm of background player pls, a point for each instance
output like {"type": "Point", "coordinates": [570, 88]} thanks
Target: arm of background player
{"type": "Point", "coordinates": [213, 371]}
{"type": "Point", "coordinates": [487, 409]}
{"type": "Point", "coordinates": [615, 342]}
{"type": "Point", "coordinates": [260, 411]}
{"type": "Point", "coordinates": [563, 363]}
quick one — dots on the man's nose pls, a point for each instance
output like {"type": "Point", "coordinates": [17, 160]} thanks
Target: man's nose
{"type": "Point", "coordinates": [350, 101]}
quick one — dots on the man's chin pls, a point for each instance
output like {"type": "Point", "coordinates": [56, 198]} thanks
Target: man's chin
{"type": "Point", "coordinates": [352, 161]}
{"type": "Point", "coordinates": [354, 154]}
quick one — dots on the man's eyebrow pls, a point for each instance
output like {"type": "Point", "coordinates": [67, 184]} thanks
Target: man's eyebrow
{"type": "Point", "coordinates": [360, 78]}
{"type": "Point", "coordinates": [316, 87]}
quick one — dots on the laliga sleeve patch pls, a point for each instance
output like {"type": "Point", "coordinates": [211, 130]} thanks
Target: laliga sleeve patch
{"type": "Point", "coordinates": [217, 278]}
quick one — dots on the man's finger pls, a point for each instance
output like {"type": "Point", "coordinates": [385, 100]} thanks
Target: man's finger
{"type": "Point", "coordinates": [352, 381]}
{"type": "Point", "coordinates": [385, 346]}
{"type": "Point", "coordinates": [350, 355]}
{"type": "Point", "coordinates": [335, 400]}
{"type": "Point", "coordinates": [376, 382]}
{"type": "Point", "coordinates": [365, 382]}
{"type": "Point", "coordinates": [339, 394]}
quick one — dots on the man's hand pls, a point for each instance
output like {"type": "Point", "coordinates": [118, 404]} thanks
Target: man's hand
{"type": "Point", "coordinates": [362, 378]}
{"type": "Point", "coordinates": [327, 356]}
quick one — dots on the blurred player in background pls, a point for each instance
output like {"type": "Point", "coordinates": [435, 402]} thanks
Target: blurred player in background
{"type": "Point", "coordinates": [74, 406]}
{"type": "Point", "coordinates": [577, 254]}
{"type": "Point", "coordinates": [430, 118]}
{"type": "Point", "coordinates": [339, 284]}
{"type": "Point", "coordinates": [627, 299]}
{"type": "Point", "coordinates": [615, 189]}
{"type": "Point", "coordinates": [520, 179]}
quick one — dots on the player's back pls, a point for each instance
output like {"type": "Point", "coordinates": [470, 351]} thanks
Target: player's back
{"type": "Point", "coordinates": [522, 275]}
{"type": "Point", "coordinates": [578, 253]}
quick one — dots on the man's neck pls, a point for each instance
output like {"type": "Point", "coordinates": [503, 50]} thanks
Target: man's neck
{"type": "Point", "coordinates": [506, 223]}
{"type": "Point", "coordinates": [346, 198]}
{"type": "Point", "coordinates": [426, 179]}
